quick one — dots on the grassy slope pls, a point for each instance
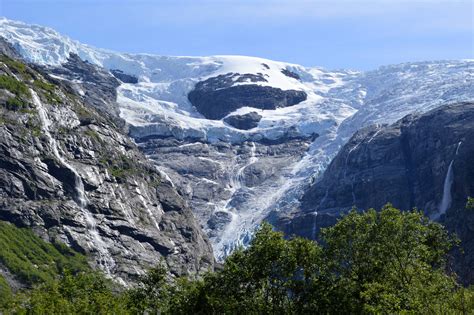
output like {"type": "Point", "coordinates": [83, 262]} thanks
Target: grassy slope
{"type": "Point", "coordinates": [33, 260]}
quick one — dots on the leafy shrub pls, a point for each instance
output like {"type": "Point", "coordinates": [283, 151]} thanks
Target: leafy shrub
{"type": "Point", "coordinates": [83, 293]}
{"type": "Point", "coordinates": [119, 166]}
{"type": "Point", "coordinates": [388, 262]}
{"type": "Point", "coordinates": [44, 85]}
{"type": "Point", "coordinates": [5, 292]}
{"type": "Point", "coordinates": [93, 135]}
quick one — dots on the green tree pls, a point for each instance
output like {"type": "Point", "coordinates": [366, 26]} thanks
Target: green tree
{"type": "Point", "coordinates": [369, 262]}
{"type": "Point", "coordinates": [272, 276]}
{"type": "Point", "coordinates": [83, 293]}
{"type": "Point", "coordinates": [152, 294]}
{"type": "Point", "coordinates": [388, 261]}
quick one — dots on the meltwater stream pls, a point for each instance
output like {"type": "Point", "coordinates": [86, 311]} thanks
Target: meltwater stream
{"type": "Point", "coordinates": [106, 262]}
{"type": "Point", "coordinates": [228, 241]}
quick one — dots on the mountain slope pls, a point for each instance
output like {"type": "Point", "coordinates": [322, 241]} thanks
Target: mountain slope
{"type": "Point", "coordinates": [68, 172]}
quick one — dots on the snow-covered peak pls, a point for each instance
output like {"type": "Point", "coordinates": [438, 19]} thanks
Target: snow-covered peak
{"type": "Point", "coordinates": [39, 44]}
{"type": "Point", "coordinates": [45, 46]}
{"type": "Point", "coordinates": [159, 100]}
{"type": "Point", "coordinates": [159, 103]}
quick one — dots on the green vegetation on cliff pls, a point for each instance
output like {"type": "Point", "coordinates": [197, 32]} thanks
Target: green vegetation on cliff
{"type": "Point", "coordinates": [33, 260]}
{"type": "Point", "coordinates": [5, 292]}
{"type": "Point", "coordinates": [13, 85]}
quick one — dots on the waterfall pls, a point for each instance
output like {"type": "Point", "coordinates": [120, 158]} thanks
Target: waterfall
{"type": "Point", "coordinates": [315, 220]}
{"type": "Point", "coordinates": [345, 167]}
{"type": "Point", "coordinates": [379, 129]}
{"type": "Point", "coordinates": [144, 203]}
{"type": "Point", "coordinates": [448, 182]}
{"type": "Point", "coordinates": [237, 181]}
{"type": "Point", "coordinates": [106, 261]}
{"type": "Point", "coordinates": [352, 191]}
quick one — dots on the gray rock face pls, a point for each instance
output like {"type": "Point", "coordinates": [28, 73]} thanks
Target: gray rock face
{"type": "Point", "coordinates": [93, 84]}
{"type": "Point", "coordinates": [11, 279]}
{"type": "Point", "coordinates": [69, 172]}
{"type": "Point", "coordinates": [225, 183]}
{"type": "Point", "coordinates": [217, 97]}
{"type": "Point", "coordinates": [338, 104]}
{"type": "Point", "coordinates": [244, 122]}
{"type": "Point", "coordinates": [421, 161]}
{"type": "Point", "coordinates": [124, 77]}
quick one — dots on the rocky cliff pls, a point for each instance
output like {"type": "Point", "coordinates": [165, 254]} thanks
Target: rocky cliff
{"type": "Point", "coordinates": [70, 173]}
{"type": "Point", "coordinates": [423, 161]}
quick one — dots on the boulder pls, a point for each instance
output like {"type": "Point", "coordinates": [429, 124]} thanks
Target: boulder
{"type": "Point", "coordinates": [244, 122]}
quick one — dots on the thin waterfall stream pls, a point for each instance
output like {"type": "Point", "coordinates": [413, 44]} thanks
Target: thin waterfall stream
{"type": "Point", "coordinates": [106, 262]}
{"type": "Point", "coordinates": [448, 182]}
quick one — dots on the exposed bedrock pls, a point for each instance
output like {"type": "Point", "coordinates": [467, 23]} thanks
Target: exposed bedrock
{"type": "Point", "coordinates": [226, 184]}
{"type": "Point", "coordinates": [124, 77]}
{"type": "Point", "coordinates": [217, 97]}
{"type": "Point", "coordinates": [244, 122]}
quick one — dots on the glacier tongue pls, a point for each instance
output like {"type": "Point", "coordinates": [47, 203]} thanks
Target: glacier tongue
{"type": "Point", "coordinates": [236, 178]}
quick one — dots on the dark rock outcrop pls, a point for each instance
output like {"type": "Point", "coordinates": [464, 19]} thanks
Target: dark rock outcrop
{"type": "Point", "coordinates": [217, 97]}
{"type": "Point", "coordinates": [291, 74]}
{"type": "Point", "coordinates": [244, 122]}
{"type": "Point", "coordinates": [124, 77]}
{"type": "Point", "coordinates": [406, 164]}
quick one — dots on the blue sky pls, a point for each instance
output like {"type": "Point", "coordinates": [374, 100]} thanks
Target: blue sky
{"type": "Point", "coordinates": [358, 34]}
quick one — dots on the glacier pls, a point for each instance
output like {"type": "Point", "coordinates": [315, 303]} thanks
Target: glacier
{"type": "Point", "coordinates": [338, 104]}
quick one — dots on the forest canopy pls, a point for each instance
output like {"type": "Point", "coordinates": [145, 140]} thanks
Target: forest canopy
{"type": "Point", "coordinates": [386, 261]}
